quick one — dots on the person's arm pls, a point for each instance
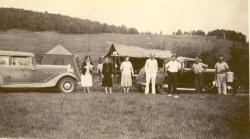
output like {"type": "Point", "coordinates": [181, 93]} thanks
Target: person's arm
{"type": "Point", "coordinates": [226, 67]}
{"type": "Point", "coordinates": [215, 71]}
{"type": "Point", "coordinates": [192, 68]}
{"type": "Point", "coordinates": [156, 67]}
{"type": "Point", "coordinates": [121, 67]}
{"type": "Point", "coordinates": [204, 65]}
{"type": "Point", "coordinates": [111, 71]}
{"type": "Point", "coordinates": [166, 66]}
{"type": "Point", "coordinates": [146, 66]}
{"type": "Point", "coordinates": [132, 69]}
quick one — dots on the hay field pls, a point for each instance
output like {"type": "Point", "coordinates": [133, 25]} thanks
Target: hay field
{"type": "Point", "coordinates": [97, 45]}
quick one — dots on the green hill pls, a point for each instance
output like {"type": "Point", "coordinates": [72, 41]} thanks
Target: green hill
{"type": "Point", "coordinates": [12, 18]}
{"type": "Point", "coordinates": [96, 45]}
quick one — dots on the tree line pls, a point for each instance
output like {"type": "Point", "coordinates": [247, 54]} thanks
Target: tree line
{"type": "Point", "coordinates": [12, 18]}
{"type": "Point", "coordinates": [228, 34]}
{"type": "Point", "coordinates": [193, 32]}
{"type": "Point", "coordinates": [219, 33]}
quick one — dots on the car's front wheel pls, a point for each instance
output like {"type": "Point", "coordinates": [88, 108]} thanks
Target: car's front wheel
{"type": "Point", "coordinates": [66, 85]}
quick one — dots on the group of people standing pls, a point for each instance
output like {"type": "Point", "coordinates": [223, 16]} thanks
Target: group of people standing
{"type": "Point", "coordinates": [171, 69]}
{"type": "Point", "coordinates": [105, 72]}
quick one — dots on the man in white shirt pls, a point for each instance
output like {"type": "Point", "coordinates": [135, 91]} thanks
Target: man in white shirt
{"type": "Point", "coordinates": [151, 67]}
{"type": "Point", "coordinates": [172, 68]}
{"type": "Point", "coordinates": [221, 68]}
{"type": "Point", "coordinates": [198, 68]}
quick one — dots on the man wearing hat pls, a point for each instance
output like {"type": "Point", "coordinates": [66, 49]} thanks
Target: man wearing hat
{"type": "Point", "coordinates": [151, 67]}
{"type": "Point", "coordinates": [172, 68]}
{"type": "Point", "coordinates": [221, 67]}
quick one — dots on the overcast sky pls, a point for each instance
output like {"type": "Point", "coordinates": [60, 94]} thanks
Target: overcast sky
{"type": "Point", "coordinates": [149, 15]}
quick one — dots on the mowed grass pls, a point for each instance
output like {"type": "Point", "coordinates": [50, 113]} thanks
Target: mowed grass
{"type": "Point", "coordinates": [123, 116]}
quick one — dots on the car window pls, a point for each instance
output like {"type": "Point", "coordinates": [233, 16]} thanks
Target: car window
{"type": "Point", "coordinates": [4, 60]}
{"type": "Point", "coordinates": [26, 61]}
{"type": "Point", "coordinates": [188, 64]}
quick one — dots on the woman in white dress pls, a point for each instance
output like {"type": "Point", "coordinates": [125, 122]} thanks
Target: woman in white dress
{"type": "Point", "coordinates": [86, 77]}
{"type": "Point", "coordinates": [127, 73]}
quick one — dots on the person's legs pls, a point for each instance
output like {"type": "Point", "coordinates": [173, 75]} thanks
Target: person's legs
{"type": "Point", "coordinates": [196, 80]}
{"type": "Point", "coordinates": [106, 89]}
{"type": "Point", "coordinates": [174, 82]}
{"type": "Point", "coordinates": [153, 77]}
{"type": "Point", "coordinates": [224, 84]}
{"type": "Point", "coordinates": [88, 91]}
{"type": "Point", "coordinates": [124, 89]}
{"type": "Point", "coordinates": [147, 83]}
{"type": "Point", "coordinates": [218, 80]}
{"type": "Point", "coordinates": [201, 82]}
{"type": "Point", "coordinates": [127, 89]}
{"type": "Point", "coordinates": [110, 90]}
{"type": "Point", "coordinates": [170, 79]}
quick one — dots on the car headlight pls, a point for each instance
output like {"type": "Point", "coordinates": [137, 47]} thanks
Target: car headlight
{"type": "Point", "coordinates": [165, 85]}
{"type": "Point", "coordinates": [70, 69]}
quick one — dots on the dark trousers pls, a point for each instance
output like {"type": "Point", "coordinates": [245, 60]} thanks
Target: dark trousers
{"type": "Point", "coordinates": [172, 77]}
{"type": "Point", "coordinates": [198, 82]}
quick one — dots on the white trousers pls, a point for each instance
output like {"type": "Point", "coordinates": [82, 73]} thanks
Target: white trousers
{"type": "Point", "coordinates": [221, 83]}
{"type": "Point", "coordinates": [150, 77]}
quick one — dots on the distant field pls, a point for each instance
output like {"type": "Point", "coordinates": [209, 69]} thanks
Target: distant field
{"type": "Point", "coordinates": [123, 116]}
{"type": "Point", "coordinates": [96, 45]}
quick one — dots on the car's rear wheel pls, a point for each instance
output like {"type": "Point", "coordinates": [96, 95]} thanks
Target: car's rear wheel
{"type": "Point", "coordinates": [66, 85]}
{"type": "Point", "coordinates": [159, 89]}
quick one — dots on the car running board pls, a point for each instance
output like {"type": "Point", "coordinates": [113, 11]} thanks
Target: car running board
{"type": "Point", "coordinates": [25, 85]}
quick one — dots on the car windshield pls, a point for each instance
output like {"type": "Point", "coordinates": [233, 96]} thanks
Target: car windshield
{"type": "Point", "coordinates": [27, 61]}
{"type": "Point", "coordinates": [4, 60]}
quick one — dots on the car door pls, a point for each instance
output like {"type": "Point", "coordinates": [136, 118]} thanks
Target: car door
{"type": "Point", "coordinates": [21, 69]}
{"type": "Point", "coordinates": [186, 76]}
{"type": "Point", "coordinates": [4, 69]}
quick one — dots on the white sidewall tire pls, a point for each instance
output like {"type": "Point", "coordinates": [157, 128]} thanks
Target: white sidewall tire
{"type": "Point", "coordinates": [67, 85]}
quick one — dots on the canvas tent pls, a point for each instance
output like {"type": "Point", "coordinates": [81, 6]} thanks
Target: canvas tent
{"type": "Point", "coordinates": [61, 56]}
{"type": "Point", "coordinates": [138, 52]}
{"type": "Point", "coordinates": [137, 55]}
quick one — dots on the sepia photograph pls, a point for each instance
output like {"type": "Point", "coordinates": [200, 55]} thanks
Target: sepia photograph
{"type": "Point", "coordinates": [124, 69]}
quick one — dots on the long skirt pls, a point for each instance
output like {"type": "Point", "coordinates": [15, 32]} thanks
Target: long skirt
{"type": "Point", "coordinates": [107, 81]}
{"type": "Point", "coordinates": [126, 80]}
{"type": "Point", "coordinates": [86, 80]}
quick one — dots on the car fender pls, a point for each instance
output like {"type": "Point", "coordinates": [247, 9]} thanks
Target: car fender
{"type": "Point", "coordinates": [53, 82]}
{"type": "Point", "coordinates": [141, 78]}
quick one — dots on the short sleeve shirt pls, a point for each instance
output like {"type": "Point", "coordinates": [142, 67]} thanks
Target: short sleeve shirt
{"type": "Point", "coordinates": [173, 66]}
{"type": "Point", "coordinates": [221, 67]}
{"type": "Point", "coordinates": [198, 67]}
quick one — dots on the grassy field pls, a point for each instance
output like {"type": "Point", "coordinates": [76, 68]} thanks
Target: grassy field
{"type": "Point", "coordinates": [114, 116]}
{"type": "Point", "coordinates": [97, 45]}
{"type": "Point", "coordinates": [117, 115]}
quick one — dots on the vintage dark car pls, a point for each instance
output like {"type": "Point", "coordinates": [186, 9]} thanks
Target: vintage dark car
{"type": "Point", "coordinates": [185, 81]}
{"type": "Point", "coordinates": [19, 70]}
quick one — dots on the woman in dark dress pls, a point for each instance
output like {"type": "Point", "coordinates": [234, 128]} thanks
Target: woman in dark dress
{"type": "Point", "coordinates": [107, 74]}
